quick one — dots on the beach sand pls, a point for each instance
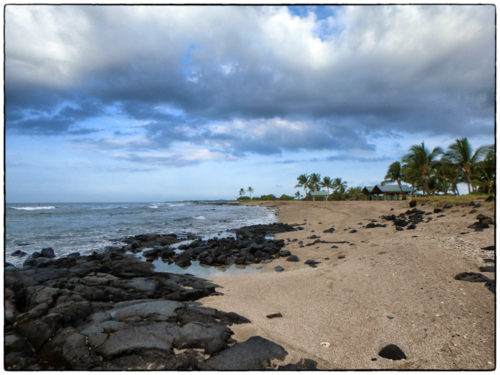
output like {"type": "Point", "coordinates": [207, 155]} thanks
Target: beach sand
{"type": "Point", "coordinates": [383, 287]}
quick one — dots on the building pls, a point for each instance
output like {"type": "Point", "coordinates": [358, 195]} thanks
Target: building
{"type": "Point", "coordinates": [387, 192]}
{"type": "Point", "coordinates": [320, 193]}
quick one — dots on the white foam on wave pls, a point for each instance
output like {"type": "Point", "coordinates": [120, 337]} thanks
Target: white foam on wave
{"type": "Point", "coordinates": [153, 206]}
{"type": "Point", "coordinates": [33, 208]}
{"type": "Point", "coordinates": [200, 217]}
{"type": "Point", "coordinates": [175, 204]}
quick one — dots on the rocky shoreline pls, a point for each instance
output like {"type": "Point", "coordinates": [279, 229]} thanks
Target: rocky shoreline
{"type": "Point", "coordinates": [111, 311]}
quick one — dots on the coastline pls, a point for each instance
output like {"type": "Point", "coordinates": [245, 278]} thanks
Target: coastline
{"type": "Point", "coordinates": [380, 287]}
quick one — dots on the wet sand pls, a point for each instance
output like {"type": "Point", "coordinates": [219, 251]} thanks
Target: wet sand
{"type": "Point", "coordinates": [382, 287]}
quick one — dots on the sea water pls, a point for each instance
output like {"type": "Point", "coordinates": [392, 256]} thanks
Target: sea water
{"type": "Point", "coordinates": [88, 227]}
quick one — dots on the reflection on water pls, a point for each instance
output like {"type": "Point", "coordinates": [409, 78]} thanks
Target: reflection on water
{"type": "Point", "coordinates": [204, 271]}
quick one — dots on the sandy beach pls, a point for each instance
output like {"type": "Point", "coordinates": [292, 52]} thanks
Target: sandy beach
{"type": "Point", "coordinates": [380, 287]}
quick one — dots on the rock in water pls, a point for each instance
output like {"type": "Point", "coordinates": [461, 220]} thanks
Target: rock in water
{"type": "Point", "coordinates": [393, 352]}
{"type": "Point", "coordinates": [18, 253]}
{"type": "Point", "coordinates": [48, 252]}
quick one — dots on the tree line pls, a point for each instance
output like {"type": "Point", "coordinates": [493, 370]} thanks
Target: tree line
{"type": "Point", "coordinates": [431, 172]}
{"type": "Point", "coordinates": [439, 171]}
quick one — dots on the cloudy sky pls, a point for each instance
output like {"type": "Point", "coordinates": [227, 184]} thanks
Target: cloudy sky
{"type": "Point", "coordinates": [154, 103]}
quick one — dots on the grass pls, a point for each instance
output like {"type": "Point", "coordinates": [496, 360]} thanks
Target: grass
{"type": "Point", "coordinates": [455, 199]}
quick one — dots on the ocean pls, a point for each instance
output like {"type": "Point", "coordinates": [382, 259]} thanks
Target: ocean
{"type": "Point", "coordinates": [88, 227]}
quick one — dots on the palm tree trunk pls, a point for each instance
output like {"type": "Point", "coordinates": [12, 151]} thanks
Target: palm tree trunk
{"type": "Point", "coordinates": [468, 181]}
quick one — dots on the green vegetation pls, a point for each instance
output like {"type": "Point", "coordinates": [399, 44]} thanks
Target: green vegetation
{"type": "Point", "coordinates": [432, 172]}
{"type": "Point", "coordinates": [437, 171]}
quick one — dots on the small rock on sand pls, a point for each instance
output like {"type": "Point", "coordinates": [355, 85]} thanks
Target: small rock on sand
{"type": "Point", "coordinates": [275, 315]}
{"type": "Point", "coordinates": [393, 352]}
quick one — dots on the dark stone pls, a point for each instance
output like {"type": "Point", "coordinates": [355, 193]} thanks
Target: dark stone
{"type": "Point", "coordinates": [313, 237]}
{"type": "Point", "coordinates": [330, 230]}
{"type": "Point", "coordinates": [478, 226]}
{"type": "Point", "coordinates": [487, 268]}
{"type": "Point", "coordinates": [413, 203]}
{"type": "Point", "coordinates": [489, 248]}
{"type": "Point", "coordinates": [375, 225]}
{"type": "Point", "coordinates": [275, 315]}
{"type": "Point", "coordinates": [471, 277]}
{"type": "Point", "coordinates": [353, 231]}
{"type": "Point", "coordinates": [304, 364]}
{"type": "Point", "coordinates": [484, 219]}
{"type": "Point", "coordinates": [489, 199]}
{"type": "Point", "coordinates": [399, 228]}
{"type": "Point", "coordinates": [183, 260]}
{"type": "Point", "coordinates": [437, 210]}
{"type": "Point", "coordinates": [279, 269]}
{"type": "Point", "coordinates": [18, 253]}
{"type": "Point", "coordinates": [411, 226]}
{"type": "Point", "coordinates": [341, 257]}
{"type": "Point", "coordinates": [312, 263]}
{"type": "Point", "coordinates": [293, 258]}
{"type": "Point", "coordinates": [392, 352]}
{"type": "Point", "coordinates": [335, 247]}
{"type": "Point", "coordinates": [253, 354]}
{"type": "Point", "coordinates": [48, 252]}
{"type": "Point", "coordinates": [284, 253]}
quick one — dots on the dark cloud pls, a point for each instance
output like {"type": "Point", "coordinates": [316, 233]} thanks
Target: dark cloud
{"type": "Point", "coordinates": [182, 70]}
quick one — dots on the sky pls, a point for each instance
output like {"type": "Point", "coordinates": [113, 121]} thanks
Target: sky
{"type": "Point", "coordinates": [163, 103]}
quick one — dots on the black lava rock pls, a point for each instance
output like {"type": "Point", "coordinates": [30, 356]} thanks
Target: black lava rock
{"type": "Point", "coordinates": [413, 203]}
{"type": "Point", "coordinates": [279, 269]}
{"type": "Point", "coordinates": [272, 316]}
{"type": "Point", "coordinates": [18, 253]}
{"type": "Point", "coordinates": [302, 365]}
{"type": "Point", "coordinates": [293, 258]}
{"type": "Point", "coordinates": [312, 263]}
{"type": "Point", "coordinates": [473, 277]}
{"type": "Point", "coordinates": [392, 352]}
{"type": "Point", "coordinates": [330, 230]}
{"type": "Point", "coordinates": [487, 268]}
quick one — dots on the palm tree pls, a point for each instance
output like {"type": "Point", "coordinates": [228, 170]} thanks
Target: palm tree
{"type": "Point", "coordinates": [339, 186]}
{"type": "Point", "coordinates": [326, 183]}
{"type": "Point", "coordinates": [461, 154]}
{"type": "Point", "coordinates": [303, 182]}
{"type": "Point", "coordinates": [297, 195]}
{"type": "Point", "coordinates": [448, 175]}
{"type": "Point", "coordinates": [420, 163]}
{"type": "Point", "coordinates": [394, 173]}
{"type": "Point", "coordinates": [242, 192]}
{"type": "Point", "coordinates": [250, 191]}
{"type": "Point", "coordinates": [486, 169]}
{"type": "Point", "coordinates": [313, 181]}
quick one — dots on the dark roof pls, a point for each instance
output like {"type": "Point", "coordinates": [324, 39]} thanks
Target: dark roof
{"type": "Point", "coordinates": [380, 189]}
